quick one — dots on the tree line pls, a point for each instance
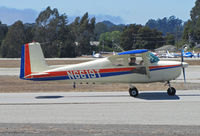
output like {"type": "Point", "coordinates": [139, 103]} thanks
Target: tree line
{"type": "Point", "coordinates": [59, 38]}
{"type": "Point", "coordinates": [192, 28]}
{"type": "Point", "coordinates": [51, 29]}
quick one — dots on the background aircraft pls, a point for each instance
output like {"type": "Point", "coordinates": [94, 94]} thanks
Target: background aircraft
{"type": "Point", "coordinates": [135, 66]}
{"type": "Point", "coordinates": [96, 55]}
{"type": "Point", "coordinates": [187, 54]}
{"type": "Point", "coordinates": [168, 55]}
{"type": "Point", "coordinates": [195, 55]}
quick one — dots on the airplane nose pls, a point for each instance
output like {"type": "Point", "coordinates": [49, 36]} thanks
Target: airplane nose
{"type": "Point", "coordinates": [184, 64]}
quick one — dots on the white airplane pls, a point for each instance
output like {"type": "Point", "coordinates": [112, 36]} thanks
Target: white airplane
{"type": "Point", "coordinates": [168, 55]}
{"type": "Point", "coordinates": [96, 55]}
{"type": "Point", "coordinates": [120, 68]}
{"type": "Point", "coordinates": [195, 55]}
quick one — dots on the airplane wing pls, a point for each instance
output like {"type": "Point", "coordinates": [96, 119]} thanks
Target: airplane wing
{"type": "Point", "coordinates": [133, 52]}
{"type": "Point", "coordinates": [127, 54]}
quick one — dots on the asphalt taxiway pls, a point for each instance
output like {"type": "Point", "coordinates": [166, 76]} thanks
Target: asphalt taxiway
{"type": "Point", "coordinates": [155, 108]}
{"type": "Point", "coordinates": [100, 113]}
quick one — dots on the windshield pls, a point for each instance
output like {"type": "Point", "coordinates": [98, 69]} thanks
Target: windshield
{"type": "Point", "coordinates": [153, 58]}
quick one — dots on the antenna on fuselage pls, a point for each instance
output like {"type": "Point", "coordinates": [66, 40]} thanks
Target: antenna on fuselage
{"type": "Point", "coordinates": [118, 46]}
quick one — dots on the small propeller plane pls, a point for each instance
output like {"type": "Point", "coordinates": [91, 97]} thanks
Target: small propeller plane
{"type": "Point", "coordinates": [96, 55]}
{"type": "Point", "coordinates": [135, 66]}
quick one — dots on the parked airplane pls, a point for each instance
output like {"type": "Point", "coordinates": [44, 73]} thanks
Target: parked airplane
{"type": "Point", "coordinates": [135, 66]}
{"type": "Point", "coordinates": [195, 55]}
{"type": "Point", "coordinates": [168, 55]}
{"type": "Point", "coordinates": [96, 55]}
{"type": "Point", "coordinates": [187, 54]}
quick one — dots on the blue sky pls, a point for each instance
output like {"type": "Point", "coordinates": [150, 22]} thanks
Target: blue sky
{"type": "Point", "coordinates": [130, 11]}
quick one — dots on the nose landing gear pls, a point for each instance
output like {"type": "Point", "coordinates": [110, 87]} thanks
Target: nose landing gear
{"type": "Point", "coordinates": [133, 92]}
{"type": "Point", "coordinates": [171, 90]}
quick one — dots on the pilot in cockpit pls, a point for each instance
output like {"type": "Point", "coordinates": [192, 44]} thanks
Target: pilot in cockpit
{"type": "Point", "coordinates": [132, 61]}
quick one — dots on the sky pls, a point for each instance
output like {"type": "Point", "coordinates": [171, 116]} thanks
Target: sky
{"type": "Point", "coordinates": [126, 11]}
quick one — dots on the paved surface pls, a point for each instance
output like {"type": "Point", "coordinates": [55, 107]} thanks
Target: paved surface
{"type": "Point", "coordinates": [100, 113]}
{"type": "Point", "coordinates": [101, 108]}
{"type": "Point", "coordinates": [97, 130]}
{"type": "Point", "coordinates": [9, 71]}
{"type": "Point", "coordinates": [192, 75]}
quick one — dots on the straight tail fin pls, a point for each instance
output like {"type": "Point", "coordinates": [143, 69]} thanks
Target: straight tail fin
{"type": "Point", "coordinates": [32, 60]}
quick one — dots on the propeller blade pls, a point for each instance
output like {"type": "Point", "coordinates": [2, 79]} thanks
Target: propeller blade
{"type": "Point", "coordinates": [182, 61]}
{"type": "Point", "coordinates": [184, 74]}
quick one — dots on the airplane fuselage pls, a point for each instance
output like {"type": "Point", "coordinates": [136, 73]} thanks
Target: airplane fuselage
{"type": "Point", "coordinates": [102, 70]}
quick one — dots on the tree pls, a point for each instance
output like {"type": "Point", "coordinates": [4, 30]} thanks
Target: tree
{"type": "Point", "coordinates": [110, 40]}
{"type": "Point", "coordinates": [192, 28]}
{"type": "Point", "coordinates": [166, 25]}
{"type": "Point", "coordinates": [99, 29]}
{"type": "Point", "coordinates": [128, 37]}
{"type": "Point", "coordinates": [170, 39]}
{"type": "Point", "coordinates": [15, 38]}
{"type": "Point", "coordinates": [52, 30]}
{"type": "Point", "coordinates": [46, 31]}
{"type": "Point", "coordinates": [138, 36]}
{"type": "Point", "coordinates": [83, 29]}
{"type": "Point", "coordinates": [3, 32]}
{"type": "Point", "coordinates": [66, 39]}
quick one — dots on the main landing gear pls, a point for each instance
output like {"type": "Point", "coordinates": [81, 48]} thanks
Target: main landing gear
{"type": "Point", "coordinates": [171, 91]}
{"type": "Point", "coordinates": [133, 91]}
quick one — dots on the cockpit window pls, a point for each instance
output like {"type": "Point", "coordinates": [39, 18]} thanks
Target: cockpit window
{"type": "Point", "coordinates": [153, 58]}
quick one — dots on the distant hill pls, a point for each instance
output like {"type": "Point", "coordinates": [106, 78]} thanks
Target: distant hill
{"type": "Point", "coordinates": [108, 23]}
{"type": "Point", "coordinates": [166, 25]}
{"type": "Point", "coordinates": [102, 18]}
{"type": "Point", "coordinates": [10, 15]}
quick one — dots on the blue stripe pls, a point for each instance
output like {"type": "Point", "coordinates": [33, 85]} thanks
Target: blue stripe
{"type": "Point", "coordinates": [115, 73]}
{"type": "Point", "coordinates": [22, 62]}
{"type": "Point", "coordinates": [133, 52]}
{"type": "Point", "coordinates": [162, 68]}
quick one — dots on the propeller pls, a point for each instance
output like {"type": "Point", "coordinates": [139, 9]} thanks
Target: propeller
{"type": "Point", "coordinates": [182, 61]}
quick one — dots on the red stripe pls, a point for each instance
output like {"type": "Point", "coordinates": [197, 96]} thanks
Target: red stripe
{"type": "Point", "coordinates": [115, 70]}
{"type": "Point", "coordinates": [51, 74]}
{"type": "Point", "coordinates": [64, 73]}
{"type": "Point", "coordinates": [27, 61]}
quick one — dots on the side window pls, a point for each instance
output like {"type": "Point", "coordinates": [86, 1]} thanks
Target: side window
{"type": "Point", "coordinates": [135, 61]}
{"type": "Point", "coordinates": [119, 62]}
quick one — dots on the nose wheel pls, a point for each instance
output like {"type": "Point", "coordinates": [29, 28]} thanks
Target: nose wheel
{"type": "Point", "coordinates": [133, 92]}
{"type": "Point", "coordinates": [171, 90]}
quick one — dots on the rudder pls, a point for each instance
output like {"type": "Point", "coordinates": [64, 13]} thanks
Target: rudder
{"type": "Point", "coordinates": [32, 60]}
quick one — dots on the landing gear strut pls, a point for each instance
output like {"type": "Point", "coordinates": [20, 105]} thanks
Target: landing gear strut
{"type": "Point", "coordinates": [133, 91]}
{"type": "Point", "coordinates": [171, 90]}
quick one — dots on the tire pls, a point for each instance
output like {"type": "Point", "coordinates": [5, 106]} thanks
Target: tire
{"type": "Point", "coordinates": [171, 91]}
{"type": "Point", "coordinates": [133, 92]}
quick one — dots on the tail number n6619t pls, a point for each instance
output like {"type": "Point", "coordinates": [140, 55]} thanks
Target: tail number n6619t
{"type": "Point", "coordinates": [83, 74]}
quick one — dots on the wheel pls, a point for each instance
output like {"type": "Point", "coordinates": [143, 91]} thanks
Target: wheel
{"type": "Point", "coordinates": [133, 92]}
{"type": "Point", "coordinates": [171, 91]}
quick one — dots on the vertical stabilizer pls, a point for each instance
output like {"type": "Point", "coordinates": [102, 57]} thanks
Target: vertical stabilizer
{"type": "Point", "coordinates": [32, 59]}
